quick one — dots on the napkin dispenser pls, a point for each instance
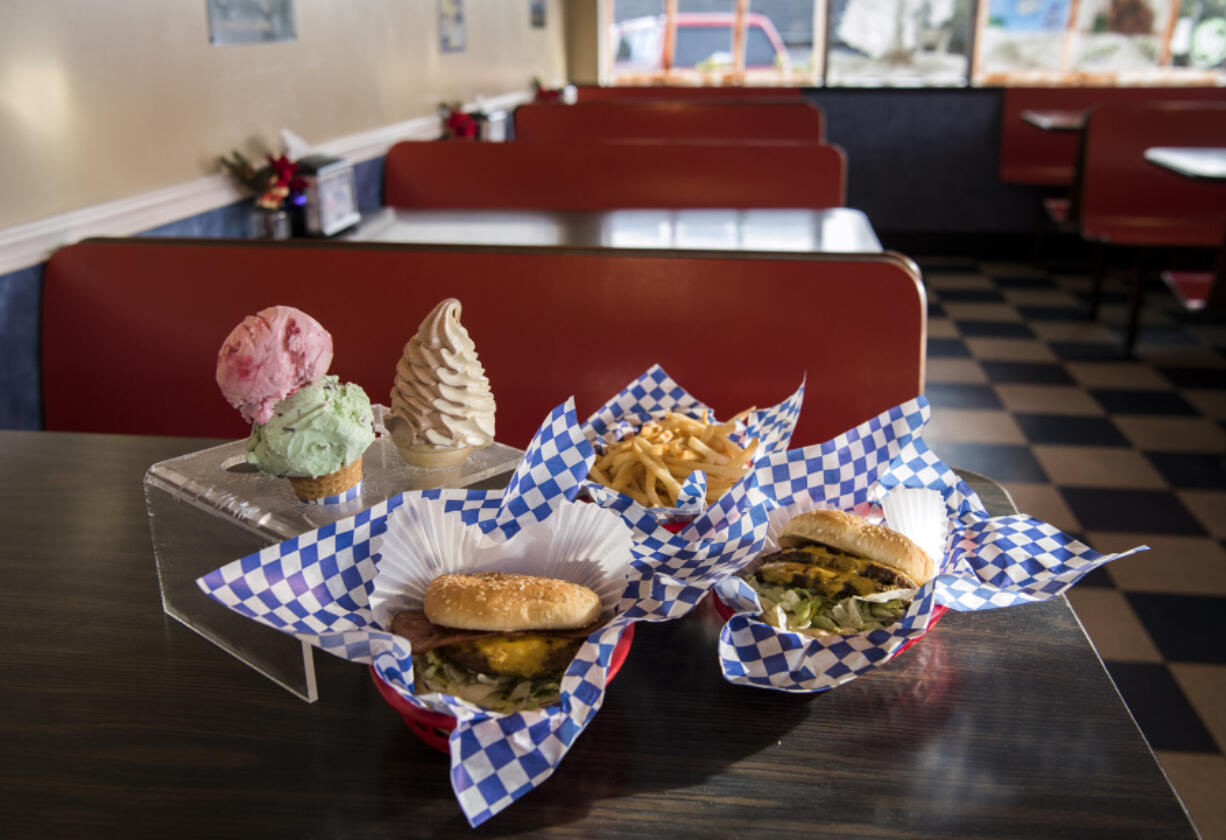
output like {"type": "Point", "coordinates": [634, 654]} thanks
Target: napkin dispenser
{"type": "Point", "coordinates": [330, 196]}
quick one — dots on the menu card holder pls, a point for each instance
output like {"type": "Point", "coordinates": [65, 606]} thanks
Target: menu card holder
{"type": "Point", "coordinates": [210, 507]}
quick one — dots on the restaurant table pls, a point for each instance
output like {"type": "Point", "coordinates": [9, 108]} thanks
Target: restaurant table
{"type": "Point", "coordinates": [1201, 163]}
{"type": "Point", "coordinates": [1056, 120]}
{"type": "Point", "coordinates": [118, 721]}
{"type": "Point", "coordinates": [832, 230]}
{"type": "Point", "coordinates": [1206, 163]}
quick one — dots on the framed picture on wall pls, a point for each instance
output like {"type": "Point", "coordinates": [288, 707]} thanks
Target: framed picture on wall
{"type": "Point", "coordinates": [536, 12]}
{"type": "Point", "coordinates": [251, 21]}
{"type": "Point", "coordinates": [451, 26]}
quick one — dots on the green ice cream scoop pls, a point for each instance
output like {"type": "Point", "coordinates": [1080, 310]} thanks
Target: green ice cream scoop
{"type": "Point", "coordinates": [314, 431]}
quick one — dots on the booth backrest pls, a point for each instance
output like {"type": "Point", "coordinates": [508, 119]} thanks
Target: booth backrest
{"type": "Point", "coordinates": [1030, 155]}
{"type": "Point", "coordinates": [131, 328]}
{"type": "Point", "coordinates": [1127, 200]}
{"type": "Point", "coordinates": [602, 176]}
{"type": "Point", "coordinates": [595, 93]}
{"type": "Point", "coordinates": [676, 120]}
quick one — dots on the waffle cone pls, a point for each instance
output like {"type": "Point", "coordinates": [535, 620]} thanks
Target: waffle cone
{"type": "Point", "coordinates": [309, 489]}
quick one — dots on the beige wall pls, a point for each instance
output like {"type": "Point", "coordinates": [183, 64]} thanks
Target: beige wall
{"type": "Point", "coordinates": [102, 100]}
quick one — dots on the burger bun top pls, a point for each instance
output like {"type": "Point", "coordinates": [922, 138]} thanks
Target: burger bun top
{"type": "Point", "coordinates": [505, 603]}
{"type": "Point", "coordinates": [856, 535]}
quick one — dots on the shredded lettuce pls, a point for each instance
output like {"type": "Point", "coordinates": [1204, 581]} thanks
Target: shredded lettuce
{"type": "Point", "coordinates": [812, 613]}
{"type": "Point", "coordinates": [435, 673]}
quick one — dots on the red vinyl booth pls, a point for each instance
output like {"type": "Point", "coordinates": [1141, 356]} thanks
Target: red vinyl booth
{"type": "Point", "coordinates": [1124, 200]}
{"type": "Point", "coordinates": [676, 120]}
{"type": "Point", "coordinates": [131, 327]}
{"type": "Point", "coordinates": [1031, 155]}
{"type": "Point", "coordinates": [606, 176]}
{"type": "Point", "coordinates": [596, 93]}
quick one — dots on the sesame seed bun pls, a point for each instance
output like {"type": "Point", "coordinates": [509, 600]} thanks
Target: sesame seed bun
{"type": "Point", "coordinates": [504, 603]}
{"type": "Point", "coordinates": [856, 535]}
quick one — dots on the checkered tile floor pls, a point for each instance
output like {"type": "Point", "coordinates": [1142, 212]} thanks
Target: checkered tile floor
{"type": "Point", "coordinates": [1118, 451]}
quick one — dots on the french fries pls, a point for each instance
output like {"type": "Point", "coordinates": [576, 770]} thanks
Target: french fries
{"type": "Point", "coordinates": [650, 465]}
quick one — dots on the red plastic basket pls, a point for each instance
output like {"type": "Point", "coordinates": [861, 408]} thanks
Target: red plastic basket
{"type": "Point", "coordinates": [435, 728]}
{"type": "Point", "coordinates": [726, 612]}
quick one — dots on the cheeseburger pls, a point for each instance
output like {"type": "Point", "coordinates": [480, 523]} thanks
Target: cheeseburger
{"type": "Point", "coordinates": [837, 573]}
{"type": "Point", "coordinates": [501, 641]}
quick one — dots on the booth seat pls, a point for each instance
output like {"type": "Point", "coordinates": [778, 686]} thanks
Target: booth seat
{"type": "Point", "coordinates": [1126, 201]}
{"type": "Point", "coordinates": [595, 175]}
{"type": "Point", "coordinates": [681, 120]}
{"type": "Point", "coordinates": [596, 93]}
{"type": "Point", "coordinates": [1030, 155]}
{"type": "Point", "coordinates": [131, 328]}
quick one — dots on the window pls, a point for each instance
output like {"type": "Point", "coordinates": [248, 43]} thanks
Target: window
{"type": "Point", "coordinates": [916, 42]}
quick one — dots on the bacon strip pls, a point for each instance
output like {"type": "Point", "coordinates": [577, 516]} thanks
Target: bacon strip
{"type": "Point", "coordinates": [425, 635]}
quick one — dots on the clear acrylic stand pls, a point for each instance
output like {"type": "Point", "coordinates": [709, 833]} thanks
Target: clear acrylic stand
{"type": "Point", "coordinates": [210, 507]}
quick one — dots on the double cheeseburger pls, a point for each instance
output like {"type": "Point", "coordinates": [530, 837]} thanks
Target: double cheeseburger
{"type": "Point", "coordinates": [837, 573]}
{"type": "Point", "coordinates": [501, 641]}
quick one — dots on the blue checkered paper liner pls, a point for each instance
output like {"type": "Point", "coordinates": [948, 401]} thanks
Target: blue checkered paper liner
{"type": "Point", "coordinates": [316, 587]}
{"type": "Point", "coordinates": [989, 562]}
{"type": "Point", "coordinates": [652, 394]}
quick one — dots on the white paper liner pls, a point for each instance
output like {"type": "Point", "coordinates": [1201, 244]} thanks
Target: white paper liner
{"type": "Point", "coordinates": [919, 515]}
{"type": "Point", "coordinates": [580, 543]}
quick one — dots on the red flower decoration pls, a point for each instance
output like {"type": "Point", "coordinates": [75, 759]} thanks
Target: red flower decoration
{"type": "Point", "coordinates": [461, 126]}
{"type": "Point", "coordinates": [285, 172]}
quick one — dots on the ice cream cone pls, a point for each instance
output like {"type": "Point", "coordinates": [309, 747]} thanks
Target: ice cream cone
{"type": "Point", "coordinates": [332, 484]}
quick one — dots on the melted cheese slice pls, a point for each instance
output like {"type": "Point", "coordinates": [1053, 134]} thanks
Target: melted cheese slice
{"type": "Point", "coordinates": [837, 571]}
{"type": "Point", "coordinates": [516, 655]}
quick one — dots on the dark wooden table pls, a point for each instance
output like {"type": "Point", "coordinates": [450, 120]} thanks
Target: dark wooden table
{"type": "Point", "coordinates": [117, 721]}
{"type": "Point", "coordinates": [834, 230]}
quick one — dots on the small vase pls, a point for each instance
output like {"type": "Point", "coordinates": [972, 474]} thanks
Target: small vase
{"type": "Point", "coordinates": [267, 223]}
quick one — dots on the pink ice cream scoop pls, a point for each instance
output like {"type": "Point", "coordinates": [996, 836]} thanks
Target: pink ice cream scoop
{"type": "Point", "coordinates": [269, 356]}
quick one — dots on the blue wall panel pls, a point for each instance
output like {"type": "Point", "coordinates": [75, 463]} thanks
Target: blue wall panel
{"type": "Point", "coordinates": [20, 326]}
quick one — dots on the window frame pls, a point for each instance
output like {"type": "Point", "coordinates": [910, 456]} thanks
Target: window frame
{"type": "Point", "coordinates": [1163, 72]}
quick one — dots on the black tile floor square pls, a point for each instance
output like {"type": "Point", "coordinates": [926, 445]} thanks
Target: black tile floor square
{"type": "Point", "coordinates": [1130, 511]}
{"type": "Point", "coordinates": [1024, 282]}
{"type": "Point", "coordinates": [1186, 628]}
{"type": "Point", "coordinates": [1072, 430]}
{"type": "Point", "coordinates": [1088, 351]}
{"type": "Point", "coordinates": [1053, 313]}
{"type": "Point", "coordinates": [1160, 708]}
{"type": "Point", "coordinates": [1186, 377]}
{"type": "Point", "coordinates": [957, 395]}
{"type": "Point", "coordinates": [1027, 373]}
{"type": "Point", "coordinates": [1002, 461]}
{"type": "Point", "coordinates": [994, 329]}
{"type": "Point", "coordinates": [1120, 401]}
{"type": "Point", "coordinates": [1191, 470]}
{"type": "Point", "coordinates": [1164, 336]}
{"type": "Point", "coordinates": [947, 348]}
{"type": "Point", "coordinates": [935, 310]}
{"type": "Point", "coordinates": [971, 296]}
{"type": "Point", "coordinates": [1108, 297]}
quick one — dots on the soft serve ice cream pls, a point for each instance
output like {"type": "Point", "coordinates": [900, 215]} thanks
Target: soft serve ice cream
{"type": "Point", "coordinates": [442, 407]}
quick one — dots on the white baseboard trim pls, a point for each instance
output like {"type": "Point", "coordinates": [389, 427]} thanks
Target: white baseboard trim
{"type": "Point", "coordinates": [32, 243]}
